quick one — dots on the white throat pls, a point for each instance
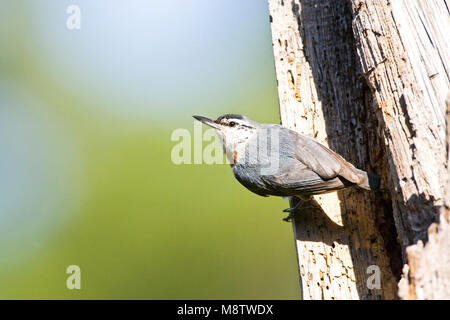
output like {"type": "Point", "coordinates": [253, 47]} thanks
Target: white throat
{"type": "Point", "coordinates": [235, 143]}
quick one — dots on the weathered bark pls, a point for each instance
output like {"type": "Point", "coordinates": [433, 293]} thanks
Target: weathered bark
{"type": "Point", "coordinates": [367, 79]}
{"type": "Point", "coordinates": [408, 82]}
{"type": "Point", "coordinates": [427, 274]}
{"type": "Point", "coordinates": [322, 93]}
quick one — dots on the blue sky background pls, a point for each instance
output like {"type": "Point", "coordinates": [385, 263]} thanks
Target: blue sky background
{"type": "Point", "coordinates": [157, 58]}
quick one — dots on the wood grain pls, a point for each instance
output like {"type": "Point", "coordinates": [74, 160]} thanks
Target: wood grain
{"type": "Point", "coordinates": [368, 78]}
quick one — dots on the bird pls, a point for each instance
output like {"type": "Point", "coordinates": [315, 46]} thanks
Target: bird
{"type": "Point", "coordinates": [272, 160]}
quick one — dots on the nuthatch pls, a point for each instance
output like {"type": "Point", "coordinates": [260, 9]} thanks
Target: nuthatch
{"type": "Point", "coordinates": [269, 159]}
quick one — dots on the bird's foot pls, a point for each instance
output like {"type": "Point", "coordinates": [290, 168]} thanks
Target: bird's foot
{"type": "Point", "coordinates": [289, 217]}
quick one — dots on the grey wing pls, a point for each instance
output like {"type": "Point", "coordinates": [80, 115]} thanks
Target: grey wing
{"type": "Point", "coordinates": [323, 161]}
{"type": "Point", "coordinates": [297, 178]}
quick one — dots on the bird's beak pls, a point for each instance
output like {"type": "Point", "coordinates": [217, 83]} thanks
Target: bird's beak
{"type": "Point", "coordinates": [207, 121]}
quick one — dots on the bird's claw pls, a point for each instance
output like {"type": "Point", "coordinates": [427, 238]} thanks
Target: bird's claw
{"type": "Point", "coordinates": [288, 218]}
{"type": "Point", "coordinates": [291, 211]}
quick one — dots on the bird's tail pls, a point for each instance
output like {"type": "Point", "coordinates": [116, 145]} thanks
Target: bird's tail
{"type": "Point", "coordinates": [370, 181]}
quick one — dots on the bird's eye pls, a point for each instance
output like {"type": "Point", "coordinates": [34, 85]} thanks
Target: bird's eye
{"type": "Point", "coordinates": [232, 124]}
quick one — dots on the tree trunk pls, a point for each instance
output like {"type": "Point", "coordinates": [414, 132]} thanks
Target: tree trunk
{"type": "Point", "coordinates": [427, 275]}
{"type": "Point", "coordinates": [369, 80]}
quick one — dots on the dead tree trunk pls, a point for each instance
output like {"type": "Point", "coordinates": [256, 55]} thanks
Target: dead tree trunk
{"type": "Point", "coordinates": [369, 79]}
{"type": "Point", "coordinates": [427, 274]}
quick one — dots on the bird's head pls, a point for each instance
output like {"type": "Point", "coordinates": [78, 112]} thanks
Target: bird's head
{"type": "Point", "coordinates": [233, 129]}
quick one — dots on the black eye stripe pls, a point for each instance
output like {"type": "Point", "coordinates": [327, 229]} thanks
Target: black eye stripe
{"type": "Point", "coordinates": [234, 123]}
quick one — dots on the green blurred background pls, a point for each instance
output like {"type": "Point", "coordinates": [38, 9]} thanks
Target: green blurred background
{"type": "Point", "coordinates": [86, 118]}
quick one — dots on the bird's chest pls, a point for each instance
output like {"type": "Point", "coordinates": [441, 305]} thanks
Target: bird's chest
{"type": "Point", "coordinates": [249, 176]}
{"type": "Point", "coordinates": [238, 149]}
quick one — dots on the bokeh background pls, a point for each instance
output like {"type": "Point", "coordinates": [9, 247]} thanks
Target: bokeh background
{"type": "Point", "coordinates": [86, 118]}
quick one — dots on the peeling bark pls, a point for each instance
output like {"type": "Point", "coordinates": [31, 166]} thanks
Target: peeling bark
{"type": "Point", "coordinates": [368, 78]}
{"type": "Point", "coordinates": [323, 94]}
{"type": "Point", "coordinates": [395, 51]}
{"type": "Point", "coordinates": [403, 50]}
{"type": "Point", "coordinates": [427, 274]}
